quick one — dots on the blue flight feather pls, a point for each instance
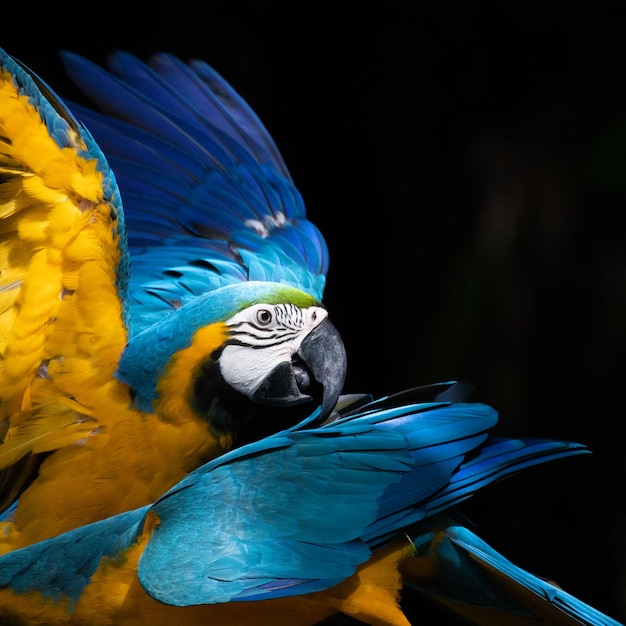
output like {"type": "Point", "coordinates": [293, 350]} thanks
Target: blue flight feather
{"type": "Point", "coordinates": [36, 567]}
{"type": "Point", "coordinates": [473, 573]}
{"type": "Point", "coordinates": [221, 222]}
{"type": "Point", "coordinates": [195, 162]}
{"type": "Point", "coordinates": [377, 451]}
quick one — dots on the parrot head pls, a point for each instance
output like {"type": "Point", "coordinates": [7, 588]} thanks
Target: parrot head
{"type": "Point", "coordinates": [249, 358]}
{"type": "Point", "coordinates": [278, 363]}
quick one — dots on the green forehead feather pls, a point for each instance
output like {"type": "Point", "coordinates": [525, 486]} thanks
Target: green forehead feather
{"type": "Point", "coordinates": [274, 293]}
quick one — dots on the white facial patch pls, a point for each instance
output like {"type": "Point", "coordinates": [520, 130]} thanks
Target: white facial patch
{"type": "Point", "coordinates": [262, 337]}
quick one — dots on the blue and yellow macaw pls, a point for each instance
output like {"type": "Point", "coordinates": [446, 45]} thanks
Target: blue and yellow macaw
{"type": "Point", "coordinates": [174, 445]}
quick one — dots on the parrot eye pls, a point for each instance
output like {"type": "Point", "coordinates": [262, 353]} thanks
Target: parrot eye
{"type": "Point", "coordinates": [264, 316]}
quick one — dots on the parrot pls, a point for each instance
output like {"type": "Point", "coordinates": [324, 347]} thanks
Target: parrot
{"type": "Point", "coordinates": [176, 444]}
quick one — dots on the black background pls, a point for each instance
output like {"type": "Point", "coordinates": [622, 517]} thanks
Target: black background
{"type": "Point", "coordinates": [467, 165]}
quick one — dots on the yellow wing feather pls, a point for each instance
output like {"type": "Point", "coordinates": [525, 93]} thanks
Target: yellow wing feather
{"type": "Point", "coordinates": [64, 417]}
{"type": "Point", "coordinates": [61, 322]}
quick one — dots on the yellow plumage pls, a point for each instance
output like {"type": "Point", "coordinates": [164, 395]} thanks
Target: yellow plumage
{"type": "Point", "coordinates": [173, 387]}
{"type": "Point", "coordinates": [53, 239]}
{"type": "Point", "coordinates": [61, 336]}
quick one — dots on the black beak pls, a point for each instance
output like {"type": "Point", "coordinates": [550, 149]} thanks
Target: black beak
{"type": "Point", "coordinates": [317, 374]}
{"type": "Point", "coordinates": [324, 355]}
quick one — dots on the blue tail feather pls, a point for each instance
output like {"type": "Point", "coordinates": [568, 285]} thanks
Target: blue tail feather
{"type": "Point", "coordinates": [474, 579]}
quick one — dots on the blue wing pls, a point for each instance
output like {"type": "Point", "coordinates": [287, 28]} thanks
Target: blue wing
{"type": "Point", "coordinates": [330, 497]}
{"type": "Point", "coordinates": [200, 175]}
{"type": "Point", "coordinates": [300, 510]}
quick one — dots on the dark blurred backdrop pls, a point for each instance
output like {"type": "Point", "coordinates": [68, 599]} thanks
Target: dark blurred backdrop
{"type": "Point", "coordinates": [466, 162]}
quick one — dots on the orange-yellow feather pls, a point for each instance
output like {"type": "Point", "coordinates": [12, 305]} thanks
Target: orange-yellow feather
{"type": "Point", "coordinates": [61, 336]}
{"type": "Point", "coordinates": [44, 221]}
{"type": "Point", "coordinates": [174, 386]}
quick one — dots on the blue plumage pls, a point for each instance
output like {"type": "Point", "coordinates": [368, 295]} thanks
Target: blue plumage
{"type": "Point", "coordinates": [60, 568]}
{"type": "Point", "coordinates": [298, 511]}
{"type": "Point", "coordinates": [196, 167]}
{"type": "Point", "coordinates": [480, 583]}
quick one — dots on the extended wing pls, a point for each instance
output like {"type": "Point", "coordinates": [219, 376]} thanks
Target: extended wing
{"type": "Point", "coordinates": [328, 498]}
{"type": "Point", "coordinates": [201, 177]}
{"type": "Point", "coordinates": [63, 274]}
{"type": "Point", "coordinates": [300, 511]}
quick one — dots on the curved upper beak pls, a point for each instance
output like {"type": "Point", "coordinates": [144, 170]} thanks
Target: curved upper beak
{"type": "Point", "coordinates": [324, 354]}
{"type": "Point", "coordinates": [320, 362]}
